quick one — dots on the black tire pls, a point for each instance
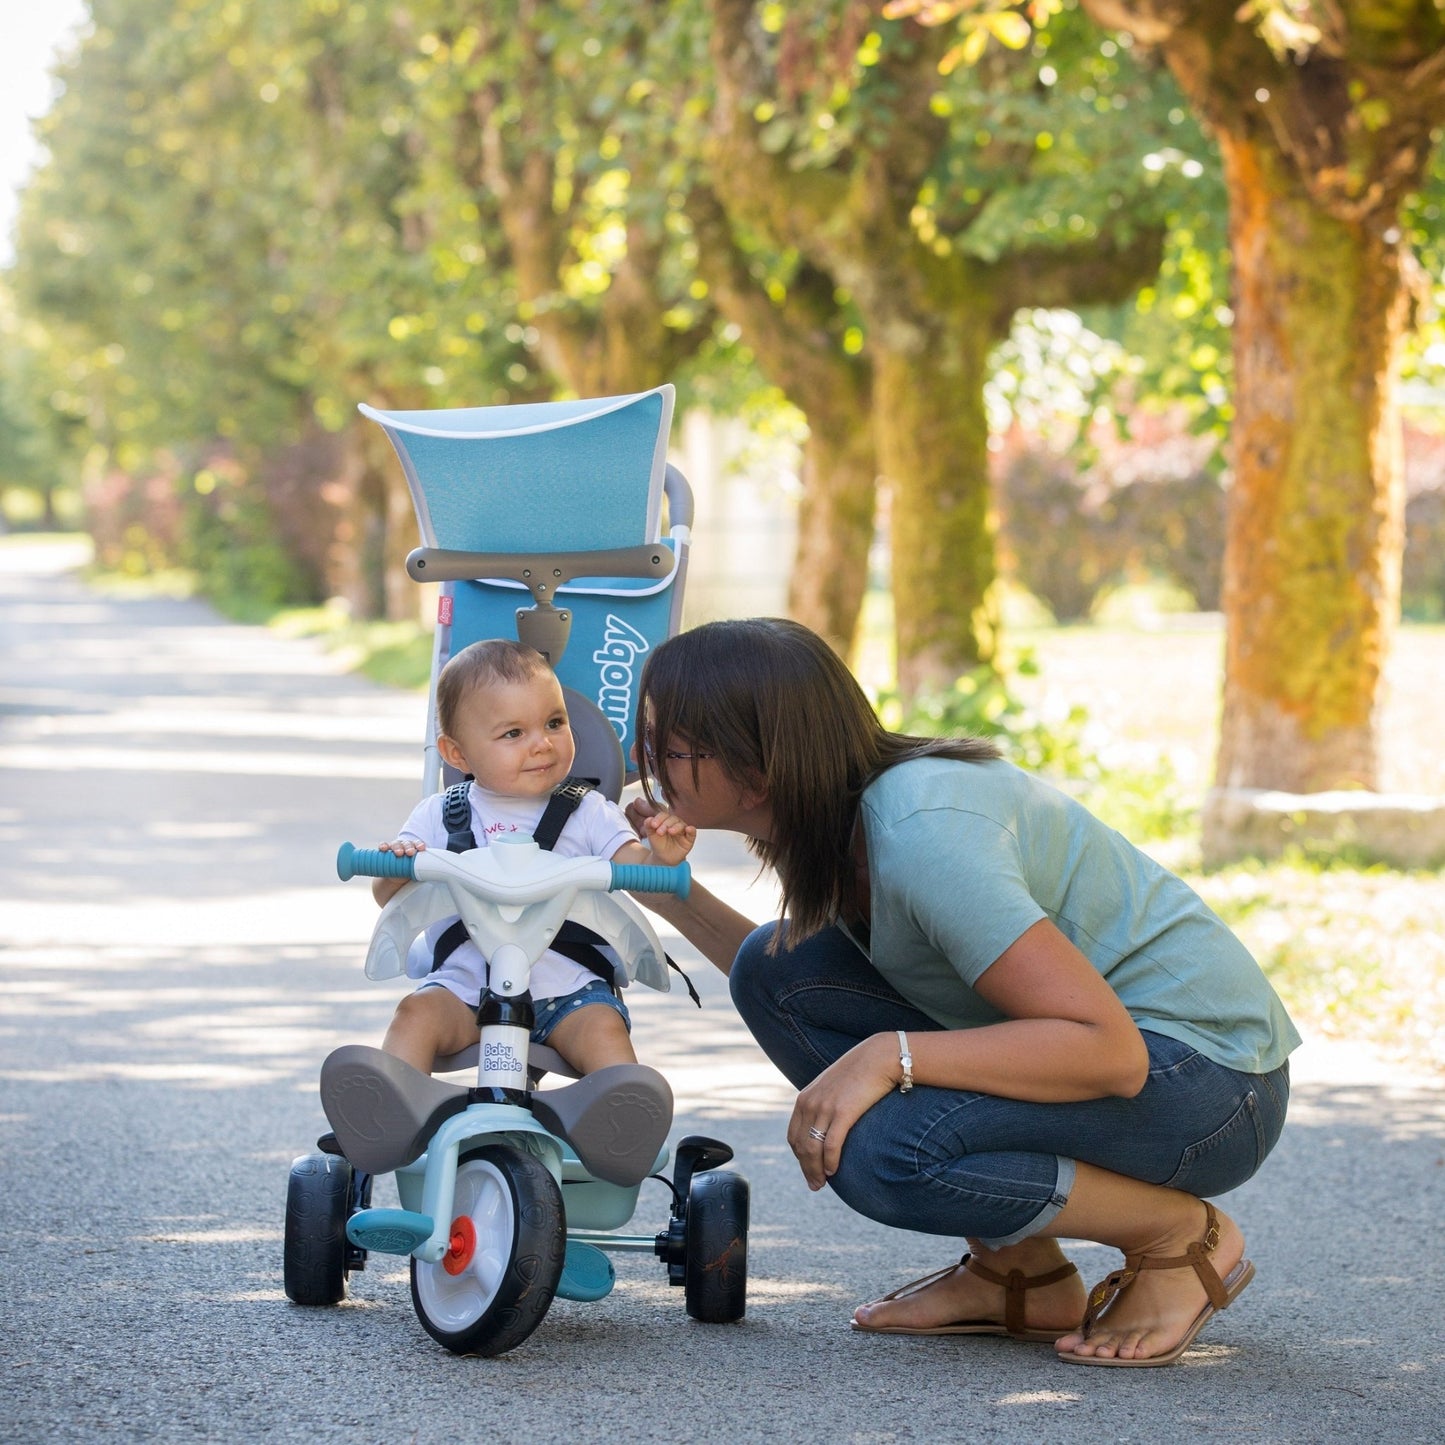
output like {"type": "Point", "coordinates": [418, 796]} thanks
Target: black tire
{"type": "Point", "coordinates": [505, 1282]}
{"type": "Point", "coordinates": [318, 1203]}
{"type": "Point", "coordinates": [715, 1278]}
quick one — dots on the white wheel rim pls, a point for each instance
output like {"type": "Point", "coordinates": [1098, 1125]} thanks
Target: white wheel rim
{"type": "Point", "coordinates": [455, 1302]}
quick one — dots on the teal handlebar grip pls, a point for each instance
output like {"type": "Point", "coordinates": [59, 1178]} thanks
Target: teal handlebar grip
{"type": "Point", "coordinates": [652, 878]}
{"type": "Point", "coordinates": [352, 861]}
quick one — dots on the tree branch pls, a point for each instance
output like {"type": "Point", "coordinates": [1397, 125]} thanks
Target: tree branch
{"type": "Point", "coordinates": [1105, 273]}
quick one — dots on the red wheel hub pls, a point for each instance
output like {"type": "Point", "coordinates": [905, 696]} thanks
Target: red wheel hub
{"type": "Point", "coordinates": [463, 1245]}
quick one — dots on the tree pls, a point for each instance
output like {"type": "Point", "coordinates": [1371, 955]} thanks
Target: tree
{"type": "Point", "coordinates": [1326, 116]}
{"type": "Point", "coordinates": [231, 244]}
{"type": "Point", "coordinates": [936, 208]}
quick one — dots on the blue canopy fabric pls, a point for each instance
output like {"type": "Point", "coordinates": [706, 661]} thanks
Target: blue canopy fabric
{"type": "Point", "coordinates": [559, 476]}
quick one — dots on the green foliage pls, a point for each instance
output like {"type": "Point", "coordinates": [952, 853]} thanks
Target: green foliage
{"type": "Point", "coordinates": [394, 654]}
{"type": "Point", "coordinates": [1355, 953]}
{"type": "Point", "coordinates": [240, 565]}
{"type": "Point", "coordinates": [981, 704]}
{"type": "Point", "coordinates": [255, 215]}
{"type": "Point", "coordinates": [1144, 803]}
{"type": "Point", "coordinates": [1151, 509]}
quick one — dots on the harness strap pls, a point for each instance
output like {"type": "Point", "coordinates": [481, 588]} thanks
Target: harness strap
{"type": "Point", "coordinates": [457, 816]}
{"type": "Point", "coordinates": [566, 797]}
{"type": "Point", "coordinates": [457, 820]}
{"type": "Point", "coordinates": [582, 946]}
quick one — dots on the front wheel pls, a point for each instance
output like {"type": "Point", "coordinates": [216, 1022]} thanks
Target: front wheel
{"type": "Point", "coordinates": [715, 1269]}
{"type": "Point", "coordinates": [318, 1204]}
{"type": "Point", "coordinates": [495, 1283]}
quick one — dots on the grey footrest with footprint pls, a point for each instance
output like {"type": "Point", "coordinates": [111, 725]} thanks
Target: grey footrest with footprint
{"type": "Point", "coordinates": [383, 1112]}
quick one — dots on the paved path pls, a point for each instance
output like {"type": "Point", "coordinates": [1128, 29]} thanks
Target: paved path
{"type": "Point", "coordinates": [176, 958]}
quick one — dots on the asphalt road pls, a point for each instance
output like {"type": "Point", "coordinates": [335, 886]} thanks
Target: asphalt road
{"type": "Point", "coordinates": [176, 958]}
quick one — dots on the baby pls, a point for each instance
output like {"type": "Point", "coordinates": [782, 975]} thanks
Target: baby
{"type": "Point", "coordinates": [501, 717]}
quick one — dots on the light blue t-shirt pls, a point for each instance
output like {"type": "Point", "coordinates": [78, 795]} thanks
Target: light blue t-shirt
{"type": "Point", "coordinates": [964, 858]}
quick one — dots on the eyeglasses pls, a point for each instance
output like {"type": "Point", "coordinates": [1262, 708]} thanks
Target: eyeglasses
{"type": "Point", "coordinates": [669, 755]}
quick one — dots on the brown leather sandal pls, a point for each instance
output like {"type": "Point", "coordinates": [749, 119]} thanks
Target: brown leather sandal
{"type": "Point", "coordinates": [1016, 1285]}
{"type": "Point", "coordinates": [1222, 1292]}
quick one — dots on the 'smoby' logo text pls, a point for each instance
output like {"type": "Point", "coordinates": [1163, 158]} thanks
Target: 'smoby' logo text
{"type": "Point", "coordinates": [617, 659]}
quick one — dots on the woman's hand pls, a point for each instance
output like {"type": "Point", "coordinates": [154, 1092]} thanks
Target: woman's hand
{"type": "Point", "coordinates": [638, 811]}
{"type": "Point", "coordinates": [836, 1100]}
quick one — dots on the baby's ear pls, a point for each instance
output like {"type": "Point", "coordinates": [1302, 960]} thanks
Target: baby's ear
{"type": "Point", "coordinates": [452, 755]}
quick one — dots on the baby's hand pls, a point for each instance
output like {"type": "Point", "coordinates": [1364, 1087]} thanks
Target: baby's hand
{"type": "Point", "coordinates": [669, 837]}
{"type": "Point", "coordinates": [403, 847]}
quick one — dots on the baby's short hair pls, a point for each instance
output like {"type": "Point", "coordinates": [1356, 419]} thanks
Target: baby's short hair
{"type": "Point", "coordinates": [479, 665]}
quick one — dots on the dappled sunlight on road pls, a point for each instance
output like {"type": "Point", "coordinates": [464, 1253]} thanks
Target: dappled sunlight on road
{"type": "Point", "coordinates": [38, 758]}
{"type": "Point", "coordinates": [293, 916]}
{"type": "Point", "coordinates": [236, 717]}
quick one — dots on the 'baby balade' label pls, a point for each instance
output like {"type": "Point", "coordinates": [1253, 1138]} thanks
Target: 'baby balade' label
{"type": "Point", "coordinates": [504, 1063]}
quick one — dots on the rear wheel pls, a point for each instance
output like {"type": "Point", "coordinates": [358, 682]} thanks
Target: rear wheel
{"type": "Point", "coordinates": [715, 1270]}
{"type": "Point", "coordinates": [495, 1283]}
{"type": "Point", "coordinates": [318, 1203]}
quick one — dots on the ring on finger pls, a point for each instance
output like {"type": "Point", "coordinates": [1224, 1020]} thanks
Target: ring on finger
{"type": "Point", "coordinates": [816, 1133]}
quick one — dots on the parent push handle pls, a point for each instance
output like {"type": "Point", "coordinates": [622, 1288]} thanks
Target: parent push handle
{"type": "Point", "coordinates": [352, 862]}
{"type": "Point", "coordinates": [652, 878]}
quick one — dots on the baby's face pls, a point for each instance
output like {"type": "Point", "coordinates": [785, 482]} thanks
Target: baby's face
{"type": "Point", "coordinates": [515, 736]}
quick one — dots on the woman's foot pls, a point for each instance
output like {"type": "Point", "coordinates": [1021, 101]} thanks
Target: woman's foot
{"type": "Point", "coordinates": [1157, 1309]}
{"type": "Point", "coordinates": [959, 1296]}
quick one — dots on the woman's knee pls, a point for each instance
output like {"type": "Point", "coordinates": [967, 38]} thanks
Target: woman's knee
{"type": "Point", "coordinates": [878, 1176]}
{"type": "Point", "coordinates": [752, 975]}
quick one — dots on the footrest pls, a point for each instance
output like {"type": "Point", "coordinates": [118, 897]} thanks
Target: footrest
{"type": "Point", "coordinates": [587, 1273]}
{"type": "Point", "coordinates": [615, 1119]}
{"type": "Point", "coordinates": [389, 1231]}
{"type": "Point", "coordinates": [383, 1110]}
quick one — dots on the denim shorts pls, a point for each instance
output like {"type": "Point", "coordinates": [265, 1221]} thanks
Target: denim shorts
{"type": "Point", "coordinates": [551, 1011]}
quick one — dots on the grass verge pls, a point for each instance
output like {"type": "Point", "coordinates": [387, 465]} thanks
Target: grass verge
{"type": "Point", "coordinates": [395, 654]}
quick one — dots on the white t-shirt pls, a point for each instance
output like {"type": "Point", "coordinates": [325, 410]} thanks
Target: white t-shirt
{"type": "Point", "coordinates": [597, 828]}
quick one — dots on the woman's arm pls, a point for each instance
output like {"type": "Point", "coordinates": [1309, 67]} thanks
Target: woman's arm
{"type": "Point", "coordinates": [1066, 1035]}
{"type": "Point", "coordinates": [713, 927]}
{"type": "Point", "coordinates": [1066, 1038]}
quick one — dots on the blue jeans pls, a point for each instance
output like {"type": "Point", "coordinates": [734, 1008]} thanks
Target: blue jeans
{"type": "Point", "coordinates": [948, 1161]}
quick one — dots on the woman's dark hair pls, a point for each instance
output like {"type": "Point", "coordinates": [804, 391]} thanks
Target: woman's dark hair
{"type": "Point", "coordinates": [780, 710]}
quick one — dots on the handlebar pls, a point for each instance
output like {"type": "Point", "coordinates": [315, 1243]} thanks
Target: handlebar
{"type": "Point", "coordinates": [352, 862]}
{"type": "Point", "coordinates": [652, 878]}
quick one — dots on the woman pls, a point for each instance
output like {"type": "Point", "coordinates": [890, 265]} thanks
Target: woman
{"type": "Point", "coordinates": [1004, 1022]}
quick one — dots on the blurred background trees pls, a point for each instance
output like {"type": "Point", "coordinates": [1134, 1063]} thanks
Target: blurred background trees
{"type": "Point", "coordinates": [982, 266]}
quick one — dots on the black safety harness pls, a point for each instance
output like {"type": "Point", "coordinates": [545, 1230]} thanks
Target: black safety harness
{"type": "Point", "coordinates": [572, 941]}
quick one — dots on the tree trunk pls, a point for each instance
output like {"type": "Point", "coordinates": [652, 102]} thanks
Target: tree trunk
{"type": "Point", "coordinates": [1320, 147]}
{"type": "Point", "coordinates": [797, 340]}
{"type": "Point", "coordinates": [835, 529]}
{"type": "Point", "coordinates": [1316, 516]}
{"type": "Point", "coordinates": [376, 531]}
{"type": "Point", "coordinates": [933, 453]}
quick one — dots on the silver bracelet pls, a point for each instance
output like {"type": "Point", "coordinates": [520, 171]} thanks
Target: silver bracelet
{"type": "Point", "coordinates": [906, 1059]}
